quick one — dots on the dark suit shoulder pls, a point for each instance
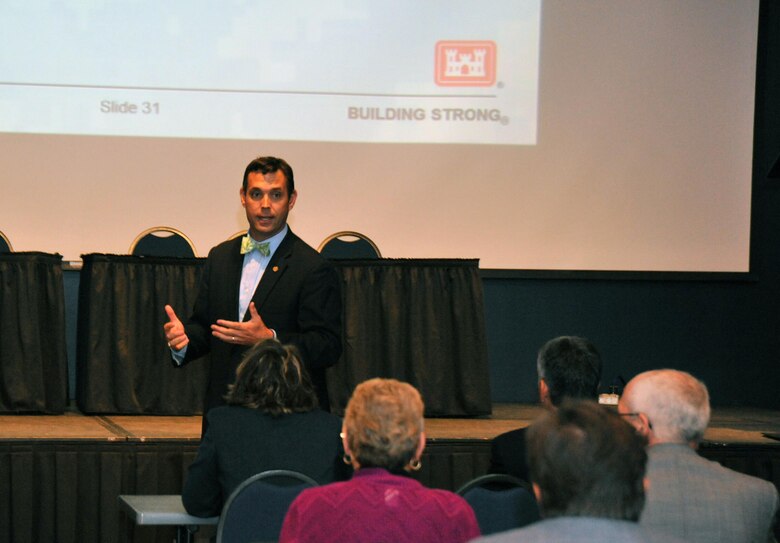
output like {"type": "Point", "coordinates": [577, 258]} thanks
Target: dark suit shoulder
{"type": "Point", "coordinates": [224, 412]}
{"type": "Point", "coordinates": [507, 454]}
{"type": "Point", "coordinates": [234, 416]}
{"type": "Point", "coordinates": [295, 246]}
{"type": "Point", "coordinates": [324, 418]}
{"type": "Point", "coordinates": [228, 247]}
{"type": "Point", "coordinates": [508, 438]}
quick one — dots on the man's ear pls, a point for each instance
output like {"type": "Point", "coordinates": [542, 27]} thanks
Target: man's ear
{"type": "Point", "coordinates": [537, 492]}
{"type": "Point", "coordinates": [646, 427]}
{"type": "Point", "coordinates": [544, 393]}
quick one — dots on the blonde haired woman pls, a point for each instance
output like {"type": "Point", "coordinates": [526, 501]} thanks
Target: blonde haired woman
{"type": "Point", "coordinates": [383, 439]}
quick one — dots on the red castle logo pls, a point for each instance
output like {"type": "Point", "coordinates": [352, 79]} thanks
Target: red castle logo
{"type": "Point", "coordinates": [465, 63]}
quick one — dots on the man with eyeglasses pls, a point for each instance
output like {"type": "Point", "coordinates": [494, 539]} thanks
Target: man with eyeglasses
{"type": "Point", "coordinates": [267, 284]}
{"type": "Point", "coordinates": [688, 496]}
{"type": "Point", "coordinates": [587, 469]}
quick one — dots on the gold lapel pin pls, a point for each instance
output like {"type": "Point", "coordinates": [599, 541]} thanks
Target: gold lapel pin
{"type": "Point", "coordinates": [276, 268]}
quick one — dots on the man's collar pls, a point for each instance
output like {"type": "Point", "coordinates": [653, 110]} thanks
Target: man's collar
{"type": "Point", "coordinates": [275, 240]}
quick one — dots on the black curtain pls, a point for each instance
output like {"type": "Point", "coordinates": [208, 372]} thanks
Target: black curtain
{"type": "Point", "coordinates": [33, 359]}
{"type": "Point", "coordinates": [66, 491]}
{"type": "Point", "coordinates": [123, 362]}
{"type": "Point", "coordinates": [420, 321]}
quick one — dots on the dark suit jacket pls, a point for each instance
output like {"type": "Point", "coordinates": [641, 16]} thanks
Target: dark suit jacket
{"type": "Point", "coordinates": [507, 454]}
{"type": "Point", "coordinates": [241, 442]}
{"type": "Point", "coordinates": [299, 296]}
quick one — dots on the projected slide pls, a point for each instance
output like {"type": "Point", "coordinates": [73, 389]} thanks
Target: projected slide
{"type": "Point", "coordinates": [454, 72]}
{"type": "Point", "coordinates": [606, 135]}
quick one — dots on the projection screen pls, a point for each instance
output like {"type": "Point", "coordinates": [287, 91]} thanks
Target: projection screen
{"type": "Point", "coordinates": [545, 135]}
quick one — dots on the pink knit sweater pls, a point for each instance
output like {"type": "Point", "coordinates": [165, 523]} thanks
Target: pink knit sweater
{"type": "Point", "coordinates": [376, 506]}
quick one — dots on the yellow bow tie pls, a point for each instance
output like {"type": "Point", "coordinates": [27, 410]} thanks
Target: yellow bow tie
{"type": "Point", "coordinates": [248, 245]}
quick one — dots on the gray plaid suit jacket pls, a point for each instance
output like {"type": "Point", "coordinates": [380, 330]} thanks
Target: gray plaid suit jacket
{"type": "Point", "coordinates": [701, 501]}
{"type": "Point", "coordinates": [580, 530]}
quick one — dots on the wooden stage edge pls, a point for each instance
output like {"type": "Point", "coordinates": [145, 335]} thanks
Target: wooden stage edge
{"type": "Point", "coordinates": [61, 474]}
{"type": "Point", "coordinates": [729, 426]}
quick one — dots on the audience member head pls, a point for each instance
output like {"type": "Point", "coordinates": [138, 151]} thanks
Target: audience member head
{"type": "Point", "coordinates": [270, 164]}
{"type": "Point", "coordinates": [667, 406]}
{"type": "Point", "coordinates": [568, 367]}
{"type": "Point", "coordinates": [585, 461]}
{"type": "Point", "coordinates": [383, 426]}
{"type": "Point", "coordinates": [271, 378]}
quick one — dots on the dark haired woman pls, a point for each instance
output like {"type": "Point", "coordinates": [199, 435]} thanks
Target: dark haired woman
{"type": "Point", "coordinates": [271, 422]}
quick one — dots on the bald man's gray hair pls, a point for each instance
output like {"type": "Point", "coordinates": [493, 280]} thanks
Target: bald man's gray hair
{"type": "Point", "coordinates": [676, 403]}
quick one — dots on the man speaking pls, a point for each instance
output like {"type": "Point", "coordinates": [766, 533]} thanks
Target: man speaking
{"type": "Point", "coordinates": [269, 283]}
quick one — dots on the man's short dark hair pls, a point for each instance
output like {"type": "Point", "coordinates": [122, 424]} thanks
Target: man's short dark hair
{"type": "Point", "coordinates": [587, 461]}
{"type": "Point", "coordinates": [270, 164]}
{"type": "Point", "coordinates": [571, 367]}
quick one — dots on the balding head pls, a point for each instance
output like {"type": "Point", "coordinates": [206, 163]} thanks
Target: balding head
{"type": "Point", "coordinates": [675, 405]}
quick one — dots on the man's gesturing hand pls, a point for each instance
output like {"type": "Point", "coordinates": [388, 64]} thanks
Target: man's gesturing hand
{"type": "Point", "coordinates": [243, 333]}
{"type": "Point", "coordinates": [174, 331]}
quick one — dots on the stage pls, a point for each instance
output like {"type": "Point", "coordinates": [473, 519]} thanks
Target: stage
{"type": "Point", "coordinates": [61, 475]}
